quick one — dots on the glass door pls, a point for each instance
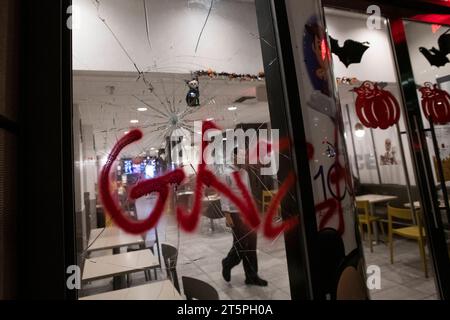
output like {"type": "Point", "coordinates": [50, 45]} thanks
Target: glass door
{"type": "Point", "coordinates": [428, 44]}
{"type": "Point", "coordinates": [399, 230]}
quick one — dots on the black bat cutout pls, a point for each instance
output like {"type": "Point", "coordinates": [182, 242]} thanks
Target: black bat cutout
{"type": "Point", "coordinates": [351, 52]}
{"type": "Point", "coordinates": [438, 57]}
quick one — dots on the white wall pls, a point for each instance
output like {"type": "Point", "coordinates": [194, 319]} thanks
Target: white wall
{"type": "Point", "coordinates": [229, 42]}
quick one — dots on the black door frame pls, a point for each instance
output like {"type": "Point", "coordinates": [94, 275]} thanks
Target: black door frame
{"type": "Point", "coordinates": [46, 205]}
{"type": "Point", "coordinates": [395, 11]}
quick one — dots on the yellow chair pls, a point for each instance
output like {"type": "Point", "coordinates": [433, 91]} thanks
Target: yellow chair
{"type": "Point", "coordinates": [367, 219]}
{"type": "Point", "coordinates": [267, 196]}
{"type": "Point", "coordinates": [414, 232]}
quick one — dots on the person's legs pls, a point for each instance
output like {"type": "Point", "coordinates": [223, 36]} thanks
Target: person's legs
{"type": "Point", "coordinates": [250, 261]}
{"type": "Point", "coordinates": [244, 248]}
{"type": "Point", "coordinates": [249, 258]}
{"type": "Point", "coordinates": [234, 256]}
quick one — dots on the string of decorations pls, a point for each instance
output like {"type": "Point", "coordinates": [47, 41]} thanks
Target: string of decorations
{"type": "Point", "coordinates": [232, 76]}
{"type": "Point", "coordinates": [346, 80]}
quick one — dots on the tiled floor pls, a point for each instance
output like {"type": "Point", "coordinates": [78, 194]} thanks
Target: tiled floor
{"type": "Point", "coordinates": [201, 253]}
{"type": "Point", "coordinates": [200, 256]}
{"type": "Point", "coordinates": [405, 279]}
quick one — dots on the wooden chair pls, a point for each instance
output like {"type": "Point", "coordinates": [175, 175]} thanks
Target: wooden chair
{"type": "Point", "coordinates": [414, 232]}
{"type": "Point", "coordinates": [199, 290]}
{"type": "Point", "coordinates": [365, 218]}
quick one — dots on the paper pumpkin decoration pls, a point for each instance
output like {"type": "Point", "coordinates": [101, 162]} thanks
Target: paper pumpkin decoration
{"type": "Point", "coordinates": [375, 107]}
{"type": "Point", "coordinates": [435, 104]}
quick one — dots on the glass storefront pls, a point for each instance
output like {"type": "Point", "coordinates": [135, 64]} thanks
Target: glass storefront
{"type": "Point", "coordinates": [219, 150]}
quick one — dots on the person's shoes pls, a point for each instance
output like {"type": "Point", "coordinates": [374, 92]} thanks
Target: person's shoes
{"type": "Point", "coordinates": [256, 281]}
{"type": "Point", "coordinates": [226, 272]}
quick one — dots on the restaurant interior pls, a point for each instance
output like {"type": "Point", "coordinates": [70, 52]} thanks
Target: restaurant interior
{"type": "Point", "coordinates": [121, 49]}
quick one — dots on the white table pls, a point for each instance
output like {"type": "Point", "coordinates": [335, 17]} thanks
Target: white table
{"type": "Point", "coordinates": [417, 204]}
{"type": "Point", "coordinates": [118, 264]}
{"type": "Point", "coordinates": [161, 290]}
{"type": "Point", "coordinates": [373, 199]}
{"type": "Point", "coordinates": [112, 238]}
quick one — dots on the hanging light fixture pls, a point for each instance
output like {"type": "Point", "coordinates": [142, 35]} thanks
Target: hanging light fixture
{"type": "Point", "coordinates": [359, 130]}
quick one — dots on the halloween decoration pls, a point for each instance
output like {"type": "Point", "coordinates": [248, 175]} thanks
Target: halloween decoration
{"type": "Point", "coordinates": [317, 55]}
{"type": "Point", "coordinates": [351, 52]}
{"type": "Point", "coordinates": [346, 80]}
{"type": "Point", "coordinates": [342, 277]}
{"type": "Point", "coordinates": [330, 152]}
{"type": "Point", "coordinates": [230, 76]}
{"type": "Point", "coordinates": [193, 95]}
{"type": "Point", "coordinates": [438, 57]}
{"type": "Point", "coordinates": [435, 103]}
{"type": "Point", "coordinates": [351, 284]}
{"type": "Point", "coordinates": [331, 254]}
{"type": "Point", "coordinates": [376, 107]}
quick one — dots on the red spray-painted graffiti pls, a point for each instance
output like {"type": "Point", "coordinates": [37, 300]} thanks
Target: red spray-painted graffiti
{"type": "Point", "coordinates": [189, 221]}
{"type": "Point", "coordinates": [332, 206]}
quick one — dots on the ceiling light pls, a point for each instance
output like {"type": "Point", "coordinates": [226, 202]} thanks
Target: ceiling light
{"type": "Point", "coordinates": [142, 109]}
{"type": "Point", "coordinates": [134, 121]}
{"type": "Point", "coordinates": [232, 108]}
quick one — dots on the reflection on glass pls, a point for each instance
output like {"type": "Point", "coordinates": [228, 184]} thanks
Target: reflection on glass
{"type": "Point", "coordinates": [428, 46]}
{"type": "Point", "coordinates": [387, 197]}
{"type": "Point", "coordinates": [164, 67]}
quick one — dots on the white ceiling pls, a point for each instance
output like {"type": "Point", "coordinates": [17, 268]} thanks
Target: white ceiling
{"type": "Point", "coordinates": [109, 100]}
{"type": "Point", "coordinates": [164, 37]}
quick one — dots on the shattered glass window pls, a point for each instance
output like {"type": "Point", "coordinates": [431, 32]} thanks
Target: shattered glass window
{"type": "Point", "coordinates": [177, 159]}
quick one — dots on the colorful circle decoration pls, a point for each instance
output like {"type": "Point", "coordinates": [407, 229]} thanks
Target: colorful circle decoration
{"type": "Point", "coordinates": [435, 103]}
{"type": "Point", "coordinates": [375, 107]}
{"type": "Point", "coordinates": [317, 55]}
